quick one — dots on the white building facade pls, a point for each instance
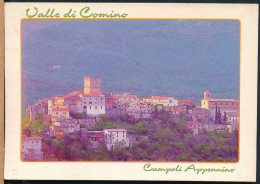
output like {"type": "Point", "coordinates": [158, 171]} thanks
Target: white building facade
{"type": "Point", "coordinates": [32, 148]}
{"type": "Point", "coordinates": [171, 101]}
{"type": "Point", "coordinates": [114, 136]}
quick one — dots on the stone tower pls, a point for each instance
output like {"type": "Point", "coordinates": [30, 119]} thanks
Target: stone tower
{"type": "Point", "coordinates": [92, 84]}
{"type": "Point", "coordinates": [207, 94]}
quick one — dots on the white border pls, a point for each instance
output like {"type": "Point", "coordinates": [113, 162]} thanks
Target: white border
{"type": "Point", "coordinates": [245, 168]}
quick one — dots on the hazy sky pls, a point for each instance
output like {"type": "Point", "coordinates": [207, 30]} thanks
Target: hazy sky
{"type": "Point", "coordinates": [179, 58]}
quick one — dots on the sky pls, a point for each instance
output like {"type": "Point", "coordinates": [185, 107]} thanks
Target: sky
{"type": "Point", "coordinates": [179, 58]}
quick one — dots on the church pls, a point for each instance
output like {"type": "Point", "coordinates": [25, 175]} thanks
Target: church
{"type": "Point", "coordinates": [224, 105]}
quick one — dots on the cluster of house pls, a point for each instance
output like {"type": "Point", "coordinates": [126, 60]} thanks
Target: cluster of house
{"type": "Point", "coordinates": [32, 148]}
{"type": "Point", "coordinates": [111, 137]}
{"type": "Point", "coordinates": [62, 112]}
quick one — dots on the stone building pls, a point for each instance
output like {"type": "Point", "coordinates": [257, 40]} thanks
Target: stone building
{"type": "Point", "coordinates": [194, 126]}
{"type": "Point", "coordinates": [92, 85]}
{"type": "Point", "coordinates": [41, 106]}
{"type": "Point", "coordinates": [32, 148]}
{"type": "Point", "coordinates": [89, 104]}
{"type": "Point", "coordinates": [60, 112]}
{"type": "Point", "coordinates": [213, 104]}
{"type": "Point", "coordinates": [200, 114]}
{"type": "Point", "coordinates": [114, 136]}
{"type": "Point", "coordinates": [95, 138]}
{"type": "Point", "coordinates": [126, 98]}
{"type": "Point", "coordinates": [162, 100]}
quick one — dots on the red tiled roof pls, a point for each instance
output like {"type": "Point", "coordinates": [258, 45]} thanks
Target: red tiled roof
{"type": "Point", "coordinates": [73, 94]}
{"type": "Point", "coordinates": [24, 137]}
{"type": "Point", "coordinates": [221, 100]}
{"type": "Point", "coordinates": [42, 100]}
{"type": "Point", "coordinates": [160, 97]}
{"type": "Point", "coordinates": [128, 95]}
{"type": "Point", "coordinates": [185, 101]}
{"type": "Point", "coordinates": [76, 93]}
{"type": "Point", "coordinates": [60, 109]}
{"type": "Point", "coordinates": [35, 138]}
{"type": "Point", "coordinates": [93, 94]}
{"type": "Point", "coordinates": [115, 130]}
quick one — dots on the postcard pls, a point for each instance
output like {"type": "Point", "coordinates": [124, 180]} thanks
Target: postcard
{"type": "Point", "coordinates": [110, 91]}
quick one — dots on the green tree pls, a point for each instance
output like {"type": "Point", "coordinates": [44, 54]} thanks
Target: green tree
{"type": "Point", "coordinates": [39, 116]}
{"type": "Point", "coordinates": [140, 128]}
{"type": "Point", "coordinates": [26, 121]}
{"type": "Point", "coordinates": [102, 152]}
{"type": "Point", "coordinates": [81, 116]}
{"type": "Point", "coordinates": [119, 152]}
{"type": "Point", "coordinates": [75, 151]}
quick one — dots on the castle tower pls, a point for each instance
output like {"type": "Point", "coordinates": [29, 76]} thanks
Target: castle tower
{"type": "Point", "coordinates": [92, 84]}
{"type": "Point", "coordinates": [207, 94]}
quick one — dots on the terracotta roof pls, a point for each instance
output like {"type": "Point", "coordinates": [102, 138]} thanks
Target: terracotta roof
{"type": "Point", "coordinates": [128, 95]}
{"type": "Point", "coordinates": [221, 100]}
{"type": "Point", "coordinates": [93, 94]}
{"type": "Point", "coordinates": [115, 130]}
{"type": "Point", "coordinates": [160, 97]}
{"type": "Point", "coordinates": [185, 101]}
{"type": "Point", "coordinates": [76, 93]}
{"type": "Point", "coordinates": [60, 109]}
{"type": "Point", "coordinates": [24, 137]}
{"type": "Point", "coordinates": [35, 138]}
{"type": "Point", "coordinates": [73, 94]}
{"type": "Point", "coordinates": [42, 100]}
{"type": "Point", "coordinates": [68, 96]}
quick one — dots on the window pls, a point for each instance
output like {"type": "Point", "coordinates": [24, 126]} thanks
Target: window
{"type": "Point", "coordinates": [101, 98]}
{"type": "Point", "coordinates": [90, 102]}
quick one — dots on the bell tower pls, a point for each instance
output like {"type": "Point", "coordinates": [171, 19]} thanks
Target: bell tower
{"type": "Point", "coordinates": [92, 84]}
{"type": "Point", "coordinates": [207, 94]}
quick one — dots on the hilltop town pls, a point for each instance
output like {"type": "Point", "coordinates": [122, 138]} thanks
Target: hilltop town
{"type": "Point", "coordinates": [94, 125]}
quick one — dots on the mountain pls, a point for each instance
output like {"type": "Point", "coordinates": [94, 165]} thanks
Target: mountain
{"type": "Point", "coordinates": [179, 58]}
